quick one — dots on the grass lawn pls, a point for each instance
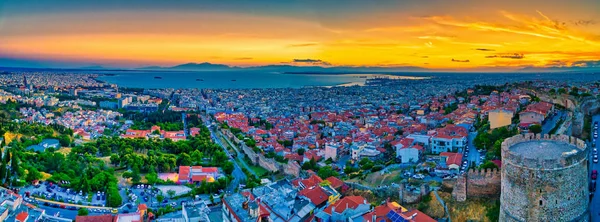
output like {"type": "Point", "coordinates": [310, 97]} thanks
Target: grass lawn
{"type": "Point", "coordinates": [376, 179]}
{"type": "Point", "coordinates": [257, 169]}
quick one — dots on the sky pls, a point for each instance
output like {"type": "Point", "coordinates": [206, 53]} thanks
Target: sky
{"type": "Point", "coordinates": [434, 34]}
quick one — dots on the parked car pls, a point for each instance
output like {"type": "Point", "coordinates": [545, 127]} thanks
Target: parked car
{"type": "Point", "coordinates": [595, 158]}
{"type": "Point", "coordinates": [594, 174]}
{"type": "Point", "coordinates": [593, 186]}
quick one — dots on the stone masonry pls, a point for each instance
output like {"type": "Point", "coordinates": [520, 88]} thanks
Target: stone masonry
{"type": "Point", "coordinates": [544, 178]}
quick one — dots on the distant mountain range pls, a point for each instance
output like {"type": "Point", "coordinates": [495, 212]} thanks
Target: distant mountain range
{"type": "Point", "coordinates": [593, 66]}
{"type": "Point", "coordinates": [285, 68]}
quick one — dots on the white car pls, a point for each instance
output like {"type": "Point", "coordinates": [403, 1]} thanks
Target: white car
{"type": "Point", "coordinates": [595, 158]}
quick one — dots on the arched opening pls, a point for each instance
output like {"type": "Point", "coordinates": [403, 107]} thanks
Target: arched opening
{"type": "Point", "coordinates": [540, 202]}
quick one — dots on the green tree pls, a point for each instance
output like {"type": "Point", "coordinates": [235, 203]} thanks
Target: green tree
{"type": "Point", "coordinates": [33, 174]}
{"type": "Point", "coordinates": [562, 91]}
{"type": "Point", "coordinates": [171, 193]}
{"type": "Point", "coordinates": [536, 128]}
{"type": "Point", "coordinates": [2, 171]}
{"type": "Point", "coordinates": [152, 177]}
{"type": "Point", "coordinates": [83, 211]}
{"type": "Point", "coordinates": [327, 171]}
{"type": "Point", "coordinates": [228, 167]}
{"type": "Point", "coordinates": [160, 198]}
{"type": "Point", "coordinates": [301, 151]}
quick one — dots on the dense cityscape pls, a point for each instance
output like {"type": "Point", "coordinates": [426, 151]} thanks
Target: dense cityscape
{"type": "Point", "coordinates": [299, 111]}
{"type": "Point", "coordinates": [427, 149]}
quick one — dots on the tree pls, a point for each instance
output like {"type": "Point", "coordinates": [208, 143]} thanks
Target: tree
{"type": "Point", "coordinates": [33, 174]}
{"type": "Point", "coordinates": [152, 177]}
{"type": "Point", "coordinates": [83, 211]}
{"type": "Point", "coordinates": [301, 151]}
{"type": "Point", "coordinates": [212, 199]}
{"type": "Point", "coordinates": [113, 198]}
{"type": "Point", "coordinates": [160, 198]}
{"type": "Point", "coordinates": [326, 172]}
{"type": "Point", "coordinates": [552, 91]}
{"type": "Point", "coordinates": [171, 193]}
{"type": "Point", "coordinates": [228, 167]}
{"type": "Point", "coordinates": [562, 91]}
{"type": "Point", "coordinates": [536, 128]}
{"type": "Point", "coordinates": [488, 165]}
{"type": "Point", "coordinates": [2, 171]}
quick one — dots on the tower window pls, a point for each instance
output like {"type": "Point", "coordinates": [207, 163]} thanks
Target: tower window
{"type": "Point", "coordinates": [540, 202]}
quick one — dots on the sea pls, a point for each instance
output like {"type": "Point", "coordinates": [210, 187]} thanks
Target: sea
{"type": "Point", "coordinates": [235, 79]}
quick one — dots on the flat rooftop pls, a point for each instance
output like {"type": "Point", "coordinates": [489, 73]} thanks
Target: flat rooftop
{"type": "Point", "coordinates": [544, 149]}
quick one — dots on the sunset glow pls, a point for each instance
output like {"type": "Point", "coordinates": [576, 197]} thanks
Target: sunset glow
{"type": "Point", "coordinates": [476, 35]}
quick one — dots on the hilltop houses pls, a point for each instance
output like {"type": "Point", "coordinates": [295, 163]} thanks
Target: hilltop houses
{"type": "Point", "coordinates": [449, 138]}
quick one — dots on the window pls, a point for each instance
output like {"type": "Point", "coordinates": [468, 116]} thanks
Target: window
{"type": "Point", "coordinates": [540, 202]}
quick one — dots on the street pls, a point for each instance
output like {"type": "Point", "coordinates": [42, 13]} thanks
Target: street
{"type": "Point", "coordinates": [474, 155]}
{"type": "Point", "coordinates": [552, 121]}
{"type": "Point", "coordinates": [595, 201]}
{"type": "Point", "coordinates": [238, 175]}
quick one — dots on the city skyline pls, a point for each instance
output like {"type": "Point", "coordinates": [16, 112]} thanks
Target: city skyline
{"type": "Point", "coordinates": [464, 35]}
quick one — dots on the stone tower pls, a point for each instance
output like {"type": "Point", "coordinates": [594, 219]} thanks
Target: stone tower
{"type": "Point", "coordinates": [544, 179]}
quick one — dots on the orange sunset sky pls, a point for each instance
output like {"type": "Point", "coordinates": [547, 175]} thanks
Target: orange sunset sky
{"type": "Point", "coordinates": [426, 33]}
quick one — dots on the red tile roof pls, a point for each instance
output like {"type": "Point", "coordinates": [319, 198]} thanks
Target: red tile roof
{"type": "Point", "coordinates": [142, 207]}
{"type": "Point", "coordinates": [96, 218]}
{"type": "Point", "coordinates": [335, 182]}
{"type": "Point", "coordinates": [316, 195]}
{"type": "Point", "coordinates": [452, 158]}
{"type": "Point", "coordinates": [344, 203]}
{"type": "Point", "coordinates": [311, 181]}
{"type": "Point", "coordinates": [22, 216]}
{"type": "Point", "coordinates": [184, 173]}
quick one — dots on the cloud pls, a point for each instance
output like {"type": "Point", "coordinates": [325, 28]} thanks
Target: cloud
{"type": "Point", "coordinates": [507, 56]}
{"type": "Point", "coordinates": [244, 58]}
{"type": "Point", "coordinates": [485, 50]}
{"type": "Point", "coordinates": [303, 45]}
{"type": "Point", "coordinates": [436, 37]}
{"type": "Point", "coordinates": [589, 63]}
{"type": "Point", "coordinates": [311, 62]}
{"type": "Point", "coordinates": [457, 60]}
{"type": "Point", "coordinates": [583, 22]}
{"type": "Point", "coordinates": [531, 26]}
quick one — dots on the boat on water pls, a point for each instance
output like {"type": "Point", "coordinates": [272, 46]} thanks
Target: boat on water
{"type": "Point", "coordinates": [158, 77]}
{"type": "Point", "coordinates": [199, 80]}
{"type": "Point", "coordinates": [233, 80]}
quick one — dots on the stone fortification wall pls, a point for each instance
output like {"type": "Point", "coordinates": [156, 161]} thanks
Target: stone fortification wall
{"type": "Point", "coordinates": [541, 189]}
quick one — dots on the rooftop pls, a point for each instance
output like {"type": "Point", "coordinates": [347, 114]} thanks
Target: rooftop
{"type": "Point", "coordinates": [544, 149]}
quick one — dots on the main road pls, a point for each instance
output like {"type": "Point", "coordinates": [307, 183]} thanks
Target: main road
{"type": "Point", "coordinates": [238, 175]}
{"type": "Point", "coordinates": [595, 201]}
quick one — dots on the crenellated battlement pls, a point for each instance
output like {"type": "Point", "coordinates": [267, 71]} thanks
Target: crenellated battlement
{"type": "Point", "coordinates": [567, 158]}
{"type": "Point", "coordinates": [483, 173]}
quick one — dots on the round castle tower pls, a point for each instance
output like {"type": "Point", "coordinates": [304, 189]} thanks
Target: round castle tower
{"type": "Point", "coordinates": [544, 179]}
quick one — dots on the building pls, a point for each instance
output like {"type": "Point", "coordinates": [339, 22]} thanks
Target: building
{"type": "Point", "coordinates": [451, 138]}
{"type": "Point", "coordinates": [276, 201]}
{"type": "Point", "coordinates": [331, 150]}
{"type": "Point", "coordinates": [453, 160]}
{"type": "Point", "coordinates": [408, 151]}
{"type": "Point", "coordinates": [108, 105]}
{"type": "Point", "coordinates": [195, 213]}
{"type": "Point", "coordinates": [544, 179]}
{"type": "Point", "coordinates": [364, 150]}
{"type": "Point", "coordinates": [536, 113]}
{"type": "Point", "coordinates": [349, 208]}
{"type": "Point", "coordinates": [195, 174]}
{"type": "Point", "coordinates": [499, 118]}
{"type": "Point", "coordinates": [123, 102]}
